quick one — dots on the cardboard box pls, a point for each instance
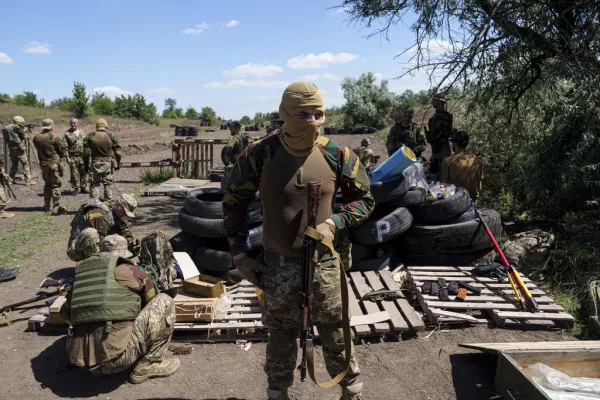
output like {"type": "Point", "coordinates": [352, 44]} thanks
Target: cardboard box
{"type": "Point", "coordinates": [189, 308]}
{"type": "Point", "coordinates": [204, 286]}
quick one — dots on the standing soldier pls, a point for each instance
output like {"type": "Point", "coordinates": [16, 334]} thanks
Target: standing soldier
{"type": "Point", "coordinates": [365, 155]}
{"type": "Point", "coordinates": [440, 130]}
{"type": "Point", "coordinates": [16, 137]}
{"type": "Point", "coordinates": [276, 124]}
{"type": "Point", "coordinates": [4, 195]}
{"type": "Point", "coordinates": [50, 151]}
{"type": "Point", "coordinates": [236, 144]}
{"type": "Point", "coordinates": [104, 148]}
{"type": "Point", "coordinates": [78, 152]}
{"type": "Point", "coordinates": [405, 133]}
{"type": "Point", "coordinates": [281, 166]}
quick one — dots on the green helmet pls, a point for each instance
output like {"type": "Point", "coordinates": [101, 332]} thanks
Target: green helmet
{"type": "Point", "coordinates": [18, 120]}
{"type": "Point", "coordinates": [87, 243]}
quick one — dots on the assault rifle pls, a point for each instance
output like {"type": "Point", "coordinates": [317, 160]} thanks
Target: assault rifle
{"type": "Point", "coordinates": [31, 125]}
{"type": "Point", "coordinates": [64, 285]}
{"type": "Point", "coordinates": [4, 178]}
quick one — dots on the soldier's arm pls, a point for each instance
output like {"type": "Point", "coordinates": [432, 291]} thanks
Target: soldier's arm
{"type": "Point", "coordinates": [420, 137]}
{"type": "Point", "coordinates": [116, 149]}
{"type": "Point", "coordinates": [125, 229]}
{"type": "Point", "coordinates": [244, 181]}
{"type": "Point", "coordinates": [61, 149]}
{"type": "Point", "coordinates": [359, 202]}
{"type": "Point", "coordinates": [136, 279]}
{"type": "Point", "coordinates": [391, 139]}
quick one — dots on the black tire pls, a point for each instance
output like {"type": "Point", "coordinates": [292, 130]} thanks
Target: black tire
{"type": "Point", "coordinates": [185, 242]}
{"type": "Point", "coordinates": [208, 228]}
{"type": "Point", "coordinates": [433, 259]}
{"type": "Point", "coordinates": [444, 209]}
{"type": "Point", "coordinates": [360, 252]}
{"type": "Point", "coordinates": [375, 264]}
{"type": "Point", "coordinates": [389, 189]}
{"type": "Point", "coordinates": [464, 237]}
{"type": "Point", "coordinates": [212, 260]}
{"type": "Point", "coordinates": [205, 203]}
{"type": "Point", "coordinates": [216, 177]}
{"type": "Point", "coordinates": [384, 229]}
{"type": "Point", "coordinates": [415, 196]}
{"type": "Point", "coordinates": [254, 241]}
{"type": "Point", "coordinates": [467, 216]}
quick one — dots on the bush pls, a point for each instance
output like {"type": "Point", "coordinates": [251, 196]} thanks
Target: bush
{"type": "Point", "coordinates": [156, 176]}
{"type": "Point", "coordinates": [63, 103]}
{"type": "Point", "coordinates": [135, 107]}
{"type": "Point", "coordinates": [191, 113]}
{"type": "Point", "coordinates": [80, 102]}
{"type": "Point", "coordinates": [208, 115]}
{"type": "Point", "coordinates": [366, 102]}
{"type": "Point", "coordinates": [28, 99]}
{"type": "Point", "coordinates": [245, 120]}
{"type": "Point", "coordinates": [102, 104]}
{"type": "Point", "coordinates": [5, 98]}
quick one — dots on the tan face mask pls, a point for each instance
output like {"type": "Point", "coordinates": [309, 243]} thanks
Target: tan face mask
{"type": "Point", "coordinates": [299, 136]}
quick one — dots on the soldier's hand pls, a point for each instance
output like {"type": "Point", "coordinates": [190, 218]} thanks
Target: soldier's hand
{"type": "Point", "coordinates": [136, 248]}
{"type": "Point", "coordinates": [250, 269]}
{"type": "Point", "coordinates": [327, 229]}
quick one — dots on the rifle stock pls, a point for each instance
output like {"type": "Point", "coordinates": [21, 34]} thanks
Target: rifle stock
{"type": "Point", "coordinates": [7, 185]}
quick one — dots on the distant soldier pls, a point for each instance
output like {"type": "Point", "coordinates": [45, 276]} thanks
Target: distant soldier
{"type": "Point", "coordinates": [236, 144]}
{"type": "Point", "coordinates": [79, 157]}
{"type": "Point", "coordinates": [4, 196]}
{"type": "Point", "coordinates": [440, 130]}
{"type": "Point", "coordinates": [16, 137]}
{"type": "Point", "coordinates": [365, 155]}
{"type": "Point", "coordinates": [50, 151]}
{"type": "Point", "coordinates": [276, 124]}
{"type": "Point", "coordinates": [405, 133]}
{"type": "Point", "coordinates": [105, 150]}
{"type": "Point", "coordinates": [463, 169]}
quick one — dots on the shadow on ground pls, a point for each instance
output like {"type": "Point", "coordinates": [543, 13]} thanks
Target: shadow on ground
{"type": "Point", "coordinates": [155, 211]}
{"type": "Point", "coordinates": [473, 375]}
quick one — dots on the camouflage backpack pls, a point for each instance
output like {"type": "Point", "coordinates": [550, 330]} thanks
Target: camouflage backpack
{"type": "Point", "coordinates": [78, 222]}
{"type": "Point", "coordinates": [156, 256]}
{"type": "Point", "coordinates": [594, 297]}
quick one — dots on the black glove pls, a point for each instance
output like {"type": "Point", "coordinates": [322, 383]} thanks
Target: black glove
{"type": "Point", "coordinates": [250, 269]}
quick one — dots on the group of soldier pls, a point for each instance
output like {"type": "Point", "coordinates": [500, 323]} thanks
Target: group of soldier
{"type": "Point", "coordinates": [95, 156]}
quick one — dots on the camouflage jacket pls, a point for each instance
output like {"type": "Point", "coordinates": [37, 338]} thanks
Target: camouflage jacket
{"type": "Point", "coordinates": [365, 155]}
{"type": "Point", "coordinates": [400, 135]}
{"type": "Point", "coordinates": [108, 218]}
{"type": "Point", "coordinates": [14, 134]}
{"type": "Point", "coordinates": [236, 144]}
{"type": "Point", "coordinates": [76, 145]}
{"type": "Point", "coordinates": [245, 178]}
{"type": "Point", "coordinates": [440, 130]}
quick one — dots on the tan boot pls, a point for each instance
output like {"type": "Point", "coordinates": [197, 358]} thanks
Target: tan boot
{"type": "Point", "coordinates": [29, 183]}
{"type": "Point", "coordinates": [4, 214]}
{"type": "Point", "coordinates": [275, 394]}
{"type": "Point", "coordinates": [352, 392]}
{"type": "Point", "coordinates": [144, 371]}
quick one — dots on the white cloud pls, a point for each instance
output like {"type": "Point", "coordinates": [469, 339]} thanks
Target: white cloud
{"type": "Point", "coordinates": [312, 61]}
{"type": "Point", "coordinates": [37, 91]}
{"type": "Point", "coordinates": [231, 24]}
{"type": "Point", "coordinates": [111, 91]}
{"type": "Point", "coordinates": [36, 48]}
{"type": "Point", "coordinates": [161, 90]}
{"type": "Point", "coordinates": [5, 59]}
{"type": "Point", "coordinates": [257, 70]}
{"type": "Point", "coordinates": [316, 77]}
{"type": "Point", "coordinates": [238, 83]}
{"type": "Point", "coordinates": [196, 30]}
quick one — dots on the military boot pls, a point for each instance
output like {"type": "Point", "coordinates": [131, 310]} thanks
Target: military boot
{"type": "Point", "coordinates": [59, 209]}
{"type": "Point", "coordinates": [145, 370]}
{"type": "Point", "coordinates": [275, 394]}
{"type": "Point", "coordinates": [29, 183]}
{"type": "Point", "coordinates": [352, 392]}
{"type": "Point", "coordinates": [4, 214]}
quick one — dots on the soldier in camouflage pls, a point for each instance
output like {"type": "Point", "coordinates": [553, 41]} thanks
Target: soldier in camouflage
{"type": "Point", "coordinates": [4, 197]}
{"type": "Point", "coordinates": [16, 137]}
{"type": "Point", "coordinates": [235, 146]}
{"type": "Point", "coordinates": [365, 155]}
{"type": "Point", "coordinates": [106, 157]}
{"type": "Point", "coordinates": [280, 166]}
{"type": "Point", "coordinates": [50, 152]}
{"type": "Point", "coordinates": [405, 133]}
{"type": "Point", "coordinates": [79, 157]}
{"type": "Point", "coordinates": [438, 135]}
{"type": "Point", "coordinates": [120, 321]}
{"type": "Point", "coordinates": [276, 124]}
{"type": "Point", "coordinates": [108, 218]}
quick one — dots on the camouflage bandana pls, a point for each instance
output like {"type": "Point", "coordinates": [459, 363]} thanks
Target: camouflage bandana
{"type": "Point", "coordinates": [156, 256]}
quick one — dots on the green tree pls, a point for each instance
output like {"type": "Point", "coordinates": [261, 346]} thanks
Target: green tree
{"type": "Point", "coordinates": [64, 103]}
{"type": "Point", "coordinates": [80, 102]}
{"type": "Point", "coordinates": [366, 102]}
{"type": "Point", "coordinates": [245, 120]}
{"type": "Point", "coordinates": [102, 104]}
{"type": "Point", "coordinates": [135, 107]}
{"type": "Point", "coordinates": [207, 114]}
{"type": "Point", "coordinates": [5, 98]}
{"type": "Point", "coordinates": [191, 113]}
{"type": "Point", "coordinates": [170, 104]}
{"type": "Point", "coordinates": [28, 99]}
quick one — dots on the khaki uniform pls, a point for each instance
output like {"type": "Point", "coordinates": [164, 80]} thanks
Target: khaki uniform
{"type": "Point", "coordinates": [464, 170]}
{"type": "Point", "coordinates": [17, 150]}
{"type": "Point", "coordinates": [365, 155]}
{"type": "Point", "coordinates": [104, 147]}
{"type": "Point", "coordinates": [80, 158]}
{"type": "Point", "coordinates": [50, 151]}
{"type": "Point", "coordinates": [4, 197]}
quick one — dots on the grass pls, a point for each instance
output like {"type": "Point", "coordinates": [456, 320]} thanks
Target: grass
{"type": "Point", "coordinates": [153, 177]}
{"type": "Point", "coordinates": [27, 238]}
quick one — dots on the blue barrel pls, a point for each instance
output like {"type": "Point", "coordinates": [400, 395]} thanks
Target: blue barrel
{"type": "Point", "coordinates": [395, 165]}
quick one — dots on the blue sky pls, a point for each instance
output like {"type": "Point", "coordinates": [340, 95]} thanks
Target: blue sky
{"type": "Point", "coordinates": [235, 56]}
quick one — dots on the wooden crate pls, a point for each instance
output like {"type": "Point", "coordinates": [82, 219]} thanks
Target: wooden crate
{"type": "Point", "coordinates": [496, 300]}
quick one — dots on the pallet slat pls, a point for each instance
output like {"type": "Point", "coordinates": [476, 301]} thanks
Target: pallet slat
{"type": "Point", "coordinates": [414, 320]}
{"type": "Point", "coordinates": [397, 321]}
{"type": "Point", "coordinates": [368, 306]}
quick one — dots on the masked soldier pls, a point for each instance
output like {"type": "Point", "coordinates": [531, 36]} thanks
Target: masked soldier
{"type": "Point", "coordinates": [438, 134]}
{"type": "Point", "coordinates": [16, 137]}
{"type": "Point", "coordinates": [79, 157]}
{"type": "Point", "coordinates": [281, 166]}
{"type": "Point", "coordinates": [405, 133]}
{"type": "Point", "coordinates": [106, 157]}
{"type": "Point", "coordinates": [236, 144]}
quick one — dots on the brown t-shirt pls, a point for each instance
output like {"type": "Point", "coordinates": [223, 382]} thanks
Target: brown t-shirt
{"type": "Point", "coordinates": [101, 146]}
{"type": "Point", "coordinates": [47, 148]}
{"type": "Point", "coordinates": [89, 345]}
{"type": "Point", "coordinates": [284, 193]}
{"type": "Point", "coordinates": [464, 170]}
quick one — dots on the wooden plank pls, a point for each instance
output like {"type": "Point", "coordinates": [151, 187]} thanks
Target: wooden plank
{"type": "Point", "coordinates": [511, 347]}
{"type": "Point", "coordinates": [243, 302]}
{"type": "Point", "coordinates": [368, 306]}
{"type": "Point", "coordinates": [183, 326]}
{"type": "Point", "coordinates": [242, 309]}
{"type": "Point", "coordinates": [471, 297]}
{"type": "Point", "coordinates": [243, 295]}
{"type": "Point", "coordinates": [488, 306]}
{"type": "Point", "coordinates": [355, 310]}
{"type": "Point", "coordinates": [532, 316]}
{"type": "Point", "coordinates": [414, 319]}
{"type": "Point", "coordinates": [239, 317]}
{"type": "Point", "coordinates": [465, 317]}
{"type": "Point", "coordinates": [438, 268]}
{"type": "Point", "coordinates": [370, 319]}
{"type": "Point", "coordinates": [420, 274]}
{"type": "Point", "coordinates": [397, 321]}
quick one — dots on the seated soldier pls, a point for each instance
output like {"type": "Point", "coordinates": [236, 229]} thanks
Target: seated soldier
{"type": "Point", "coordinates": [463, 169]}
{"type": "Point", "coordinates": [118, 320]}
{"type": "Point", "coordinates": [107, 217]}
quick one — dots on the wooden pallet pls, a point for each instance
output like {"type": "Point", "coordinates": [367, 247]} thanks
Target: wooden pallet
{"type": "Point", "coordinates": [496, 301]}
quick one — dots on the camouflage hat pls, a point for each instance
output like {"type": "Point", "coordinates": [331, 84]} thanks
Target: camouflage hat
{"type": "Point", "coordinates": [129, 203]}
{"type": "Point", "coordinates": [101, 124]}
{"type": "Point", "coordinates": [18, 120]}
{"type": "Point", "coordinates": [47, 124]}
{"type": "Point", "coordinates": [365, 142]}
{"type": "Point", "coordinates": [87, 243]}
{"type": "Point", "coordinates": [234, 123]}
{"type": "Point", "coordinates": [275, 117]}
{"type": "Point", "coordinates": [115, 245]}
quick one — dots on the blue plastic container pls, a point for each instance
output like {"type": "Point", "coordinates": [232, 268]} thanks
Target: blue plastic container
{"type": "Point", "coordinates": [395, 165]}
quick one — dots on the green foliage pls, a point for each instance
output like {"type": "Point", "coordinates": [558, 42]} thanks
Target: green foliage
{"type": "Point", "coordinates": [80, 102]}
{"type": "Point", "coordinates": [156, 176]}
{"type": "Point", "coordinates": [28, 99]}
{"type": "Point", "coordinates": [171, 110]}
{"type": "Point", "coordinates": [366, 102]}
{"type": "Point", "coordinates": [5, 98]}
{"type": "Point", "coordinates": [64, 103]}
{"type": "Point", "coordinates": [191, 113]}
{"type": "Point", "coordinates": [261, 118]}
{"type": "Point", "coordinates": [331, 111]}
{"type": "Point", "coordinates": [135, 107]}
{"type": "Point", "coordinates": [410, 98]}
{"type": "Point", "coordinates": [208, 115]}
{"type": "Point", "coordinates": [245, 120]}
{"type": "Point", "coordinates": [102, 104]}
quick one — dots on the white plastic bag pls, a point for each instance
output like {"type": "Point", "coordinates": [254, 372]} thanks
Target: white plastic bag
{"type": "Point", "coordinates": [560, 386]}
{"type": "Point", "coordinates": [224, 306]}
{"type": "Point", "coordinates": [415, 174]}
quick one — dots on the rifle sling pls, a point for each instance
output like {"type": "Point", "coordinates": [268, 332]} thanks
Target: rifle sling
{"type": "Point", "coordinates": [310, 358]}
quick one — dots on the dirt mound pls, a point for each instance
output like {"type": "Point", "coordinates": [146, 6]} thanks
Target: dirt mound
{"type": "Point", "coordinates": [143, 148]}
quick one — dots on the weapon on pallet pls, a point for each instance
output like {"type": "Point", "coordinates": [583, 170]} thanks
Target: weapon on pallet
{"type": "Point", "coordinates": [63, 285]}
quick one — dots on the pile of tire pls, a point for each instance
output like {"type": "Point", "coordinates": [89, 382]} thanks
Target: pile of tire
{"type": "Point", "coordinates": [203, 231]}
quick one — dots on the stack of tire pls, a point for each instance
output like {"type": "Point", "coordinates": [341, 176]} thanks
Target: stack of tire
{"type": "Point", "coordinates": [203, 231]}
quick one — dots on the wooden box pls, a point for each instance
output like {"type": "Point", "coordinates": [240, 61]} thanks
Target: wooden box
{"type": "Point", "coordinates": [190, 308]}
{"type": "Point", "coordinates": [204, 286]}
{"type": "Point", "coordinates": [54, 311]}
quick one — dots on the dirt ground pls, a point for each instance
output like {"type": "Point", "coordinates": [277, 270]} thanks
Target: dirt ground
{"type": "Point", "coordinates": [34, 365]}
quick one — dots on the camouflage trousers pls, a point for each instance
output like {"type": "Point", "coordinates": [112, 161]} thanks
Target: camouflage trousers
{"type": "Point", "coordinates": [52, 185]}
{"type": "Point", "coordinates": [435, 166]}
{"type": "Point", "coordinates": [226, 172]}
{"type": "Point", "coordinates": [18, 156]}
{"type": "Point", "coordinates": [79, 172]}
{"type": "Point", "coordinates": [343, 245]}
{"type": "Point", "coordinates": [282, 282]}
{"type": "Point", "coordinates": [102, 177]}
{"type": "Point", "coordinates": [150, 338]}
{"type": "Point", "coordinates": [4, 199]}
